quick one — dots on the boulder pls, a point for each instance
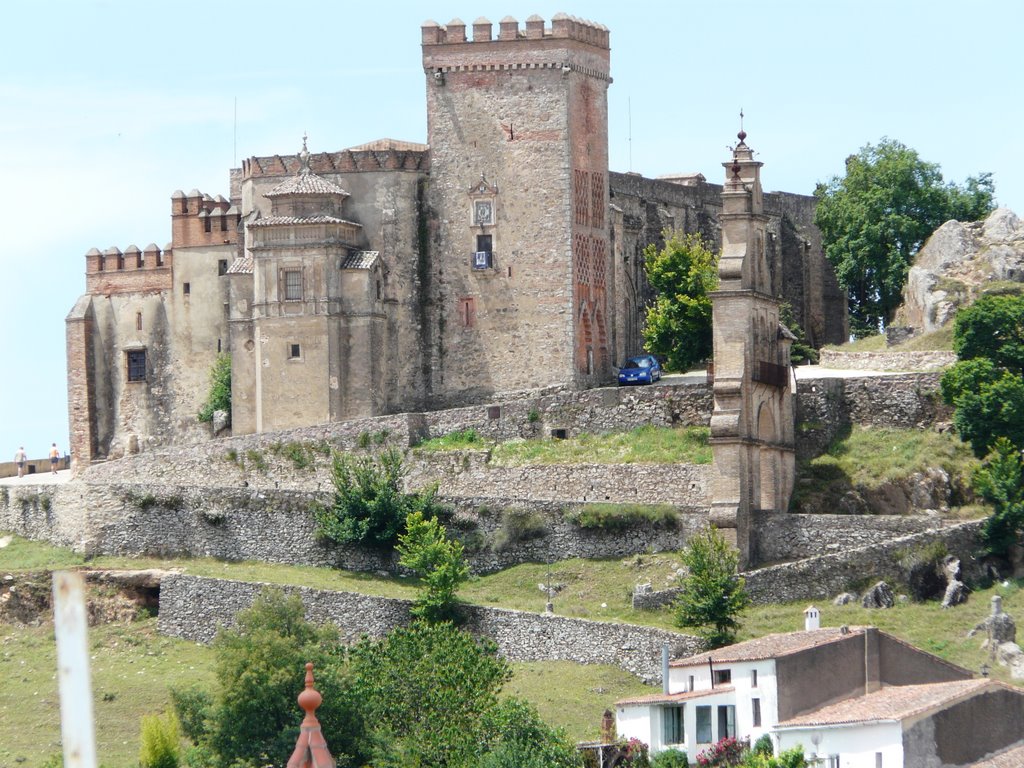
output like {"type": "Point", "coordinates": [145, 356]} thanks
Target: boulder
{"type": "Point", "coordinates": [955, 265]}
{"type": "Point", "coordinates": [998, 627]}
{"type": "Point", "coordinates": [879, 596]}
{"type": "Point", "coordinates": [844, 598]}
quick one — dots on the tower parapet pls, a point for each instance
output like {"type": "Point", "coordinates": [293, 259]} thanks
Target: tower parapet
{"type": "Point", "coordinates": [563, 27]}
{"type": "Point", "coordinates": [114, 271]}
{"type": "Point", "coordinates": [198, 219]}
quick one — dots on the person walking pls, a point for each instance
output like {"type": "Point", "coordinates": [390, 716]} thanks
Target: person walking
{"type": "Point", "coordinates": [20, 458]}
{"type": "Point", "coordinates": [54, 458]}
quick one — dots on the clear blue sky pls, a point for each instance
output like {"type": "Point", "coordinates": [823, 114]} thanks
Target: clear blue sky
{"type": "Point", "coordinates": [108, 106]}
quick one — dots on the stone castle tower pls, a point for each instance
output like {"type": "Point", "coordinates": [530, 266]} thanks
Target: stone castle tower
{"type": "Point", "coordinates": [752, 427]}
{"type": "Point", "coordinates": [390, 277]}
{"type": "Point", "coordinates": [518, 129]}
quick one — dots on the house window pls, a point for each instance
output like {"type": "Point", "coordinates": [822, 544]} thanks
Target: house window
{"type": "Point", "coordinates": [222, 267]}
{"type": "Point", "coordinates": [672, 725]}
{"type": "Point", "coordinates": [878, 760]}
{"type": "Point", "coordinates": [704, 725]}
{"type": "Point", "coordinates": [138, 321]}
{"type": "Point", "coordinates": [723, 676]}
{"type": "Point", "coordinates": [293, 285]}
{"type": "Point", "coordinates": [833, 761]}
{"type": "Point", "coordinates": [186, 289]}
{"type": "Point", "coordinates": [753, 678]}
{"type": "Point", "coordinates": [756, 712]}
{"type": "Point", "coordinates": [726, 721]}
{"type": "Point", "coordinates": [206, 223]}
{"type": "Point", "coordinates": [484, 243]}
{"type": "Point", "coordinates": [294, 352]}
{"type": "Point", "coordinates": [689, 683]}
{"type": "Point", "coordinates": [136, 359]}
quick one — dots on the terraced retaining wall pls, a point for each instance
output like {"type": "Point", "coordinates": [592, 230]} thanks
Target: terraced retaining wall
{"type": "Point", "coordinates": [192, 608]}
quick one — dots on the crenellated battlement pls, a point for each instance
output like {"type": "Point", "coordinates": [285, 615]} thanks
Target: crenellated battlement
{"type": "Point", "coordinates": [563, 27]}
{"type": "Point", "coordinates": [129, 271]}
{"type": "Point", "coordinates": [378, 156]}
{"type": "Point", "coordinates": [198, 219]}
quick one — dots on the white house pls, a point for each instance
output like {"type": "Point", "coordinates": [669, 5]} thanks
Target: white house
{"type": "Point", "coordinates": [853, 696]}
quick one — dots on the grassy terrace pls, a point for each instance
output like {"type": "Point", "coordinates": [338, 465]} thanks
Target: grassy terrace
{"type": "Point", "coordinates": [644, 445]}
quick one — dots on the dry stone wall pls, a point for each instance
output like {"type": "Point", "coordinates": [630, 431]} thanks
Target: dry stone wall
{"type": "Point", "coordinates": [891, 360]}
{"type": "Point", "coordinates": [826, 407]}
{"type": "Point", "coordinates": [193, 608]}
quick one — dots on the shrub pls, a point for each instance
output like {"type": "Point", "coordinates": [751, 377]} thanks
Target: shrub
{"type": "Point", "coordinates": [192, 706]}
{"type": "Point", "coordinates": [726, 752]}
{"type": "Point", "coordinates": [617, 517]}
{"type": "Point", "coordinates": [518, 738]}
{"type": "Point", "coordinates": [670, 758]}
{"type": "Point", "coordinates": [369, 506]}
{"type": "Point", "coordinates": [438, 561]}
{"type": "Point", "coordinates": [517, 525]}
{"type": "Point", "coordinates": [1000, 482]}
{"type": "Point", "coordinates": [764, 746]}
{"type": "Point", "coordinates": [160, 745]}
{"type": "Point", "coordinates": [712, 593]}
{"type": "Point", "coordinates": [219, 398]}
{"type": "Point", "coordinates": [256, 458]}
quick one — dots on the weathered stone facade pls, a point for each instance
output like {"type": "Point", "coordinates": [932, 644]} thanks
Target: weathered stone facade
{"type": "Point", "coordinates": [394, 276]}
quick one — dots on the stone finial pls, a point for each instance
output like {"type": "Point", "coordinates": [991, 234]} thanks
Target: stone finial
{"type": "Point", "coordinates": [304, 156]}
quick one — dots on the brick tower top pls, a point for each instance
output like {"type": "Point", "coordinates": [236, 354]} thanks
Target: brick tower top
{"type": "Point", "coordinates": [447, 48]}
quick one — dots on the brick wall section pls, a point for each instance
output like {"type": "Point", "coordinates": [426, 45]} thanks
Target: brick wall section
{"type": "Point", "coordinates": [81, 410]}
{"type": "Point", "coordinates": [192, 608]}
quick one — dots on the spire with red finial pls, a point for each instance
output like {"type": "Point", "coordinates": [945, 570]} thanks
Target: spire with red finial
{"type": "Point", "coordinates": [310, 748]}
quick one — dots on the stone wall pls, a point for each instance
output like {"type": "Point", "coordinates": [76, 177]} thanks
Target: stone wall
{"type": "Point", "coordinates": [827, 575]}
{"type": "Point", "coordinates": [193, 608]}
{"type": "Point", "coordinates": [890, 360]}
{"type": "Point", "coordinates": [277, 526]}
{"type": "Point", "coordinates": [827, 407]}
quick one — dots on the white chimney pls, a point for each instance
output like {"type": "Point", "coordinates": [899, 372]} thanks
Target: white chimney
{"type": "Point", "coordinates": [812, 618]}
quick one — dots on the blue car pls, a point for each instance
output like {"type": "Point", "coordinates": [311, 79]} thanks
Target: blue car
{"type": "Point", "coordinates": [642, 369]}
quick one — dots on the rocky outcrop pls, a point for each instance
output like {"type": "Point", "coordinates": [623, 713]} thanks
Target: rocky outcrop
{"type": "Point", "coordinates": [958, 262]}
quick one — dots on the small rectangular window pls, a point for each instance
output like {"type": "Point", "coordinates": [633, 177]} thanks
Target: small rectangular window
{"type": "Point", "coordinates": [186, 288]}
{"type": "Point", "coordinates": [878, 760]}
{"type": "Point", "coordinates": [753, 678]}
{"type": "Point", "coordinates": [222, 267]}
{"type": "Point", "coordinates": [704, 725]}
{"type": "Point", "coordinates": [136, 359]}
{"type": "Point", "coordinates": [467, 312]}
{"type": "Point", "coordinates": [293, 285]}
{"type": "Point", "coordinates": [672, 725]}
{"type": "Point", "coordinates": [756, 712]}
{"type": "Point", "coordinates": [294, 351]}
{"type": "Point", "coordinates": [484, 243]}
{"type": "Point", "coordinates": [723, 676]}
{"type": "Point", "coordinates": [138, 321]}
{"type": "Point", "coordinates": [833, 761]}
{"type": "Point", "coordinates": [689, 683]}
{"type": "Point", "coordinates": [206, 223]}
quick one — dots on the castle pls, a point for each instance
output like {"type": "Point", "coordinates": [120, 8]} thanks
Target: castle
{"type": "Point", "coordinates": [500, 257]}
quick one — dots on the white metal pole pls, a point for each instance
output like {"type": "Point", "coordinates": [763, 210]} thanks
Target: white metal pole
{"type": "Point", "coordinates": [71, 629]}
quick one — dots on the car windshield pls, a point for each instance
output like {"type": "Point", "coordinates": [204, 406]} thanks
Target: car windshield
{"type": "Point", "coordinates": [638, 362]}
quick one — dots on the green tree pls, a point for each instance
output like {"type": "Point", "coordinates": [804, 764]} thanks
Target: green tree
{"type": "Point", "coordinates": [160, 742]}
{"type": "Point", "coordinates": [712, 593]}
{"type": "Point", "coordinates": [260, 666]}
{"type": "Point", "coordinates": [1000, 482]}
{"type": "Point", "coordinates": [518, 738]}
{"type": "Point", "coordinates": [682, 273]}
{"type": "Point", "coordinates": [219, 398]}
{"type": "Point", "coordinates": [425, 690]}
{"type": "Point", "coordinates": [986, 386]}
{"type": "Point", "coordinates": [438, 561]}
{"type": "Point", "coordinates": [369, 506]}
{"type": "Point", "coordinates": [874, 219]}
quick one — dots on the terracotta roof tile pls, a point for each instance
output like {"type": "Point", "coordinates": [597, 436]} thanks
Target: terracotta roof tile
{"type": "Point", "coordinates": [360, 260]}
{"type": "Point", "coordinates": [1010, 758]}
{"type": "Point", "coordinates": [895, 702]}
{"type": "Point", "coordinates": [769, 646]}
{"type": "Point", "coordinates": [274, 221]}
{"type": "Point", "coordinates": [306, 183]}
{"type": "Point", "coordinates": [671, 698]}
{"type": "Point", "coordinates": [242, 266]}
